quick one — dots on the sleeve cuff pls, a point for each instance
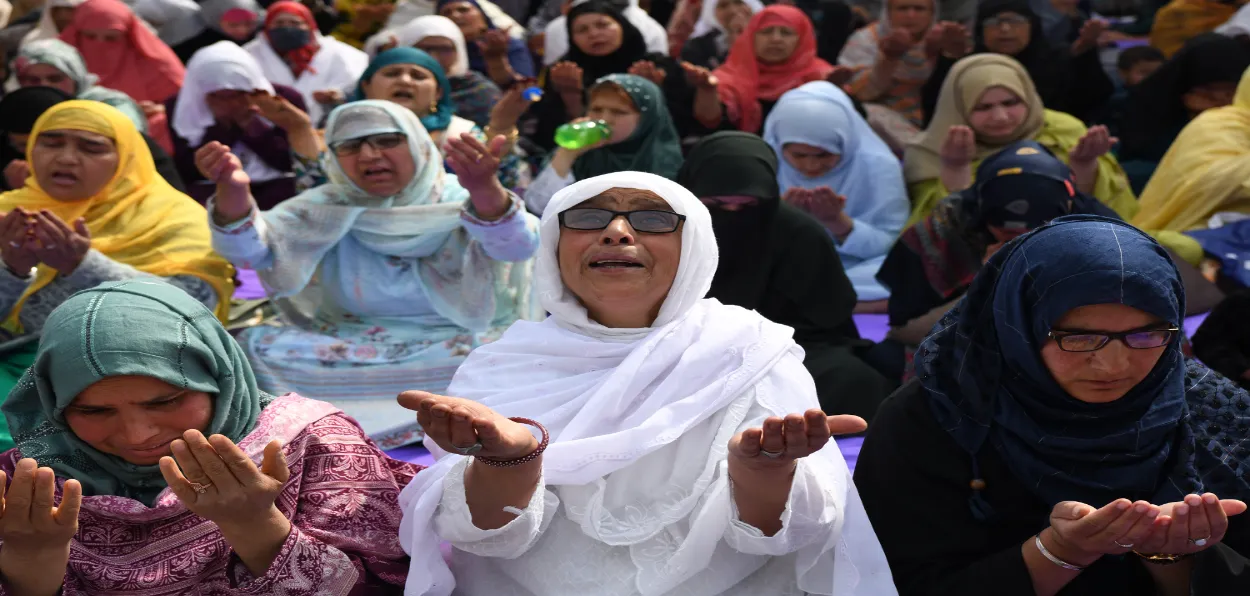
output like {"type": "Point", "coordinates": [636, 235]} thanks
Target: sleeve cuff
{"type": "Point", "coordinates": [469, 213]}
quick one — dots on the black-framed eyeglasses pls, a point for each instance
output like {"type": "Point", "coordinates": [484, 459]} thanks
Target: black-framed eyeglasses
{"type": "Point", "coordinates": [650, 221]}
{"type": "Point", "coordinates": [1144, 338]}
{"type": "Point", "coordinates": [380, 141]}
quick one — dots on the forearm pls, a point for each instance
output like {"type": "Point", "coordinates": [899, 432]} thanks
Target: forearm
{"type": "Point", "coordinates": [1084, 175]}
{"type": "Point", "coordinates": [956, 178]}
{"type": "Point", "coordinates": [305, 142]}
{"type": "Point", "coordinates": [562, 161]}
{"type": "Point", "coordinates": [238, 205]}
{"type": "Point", "coordinates": [1048, 578]}
{"type": "Point", "coordinates": [707, 107]}
{"type": "Point", "coordinates": [915, 330]}
{"type": "Point", "coordinates": [573, 107]}
{"type": "Point", "coordinates": [25, 574]}
{"type": "Point", "coordinates": [488, 490]}
{"type": "Point", "coordinates": [499, 70]}
{"type": "Point", "coordinates": [1172, 580]}
{"type": "Point", "coordinates": [880, 78]}
{"type": "Point", "coordinates": [761, 496]}
{"type": "Point", "coordinates": [258, 544]}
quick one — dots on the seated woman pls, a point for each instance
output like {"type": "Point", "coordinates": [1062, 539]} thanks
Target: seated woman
{"type": "Point", "coordinates": [133, 427]}
{"type": "Point", "coordinates": [781, 263]}
{"type": "Point", "coordinates": [1068, 79]}
{"type": "Point", "coordinates": [292, 53]}
{"type": "Point", "coordinates": [93, 210]}
{"type": "Point", "coordinates": [223, 20]}
{"type": "Point", "coordinates": [1201, 77]}
{"type": "Point", "coordinates": [719, 25]}
{"type": "Point", "coordinates": [835, 168]}
{"type": "Point", "coordinates": [215, 106]}
{"type": "Point", "coordinates": [54, 17]}
{"type": "Point", "coordinates": [394, 269]}
{"type": "Point", "coordinates": [492, 52]}
{"type": "Point", "coordinates": [988, 101]}
{"type": "Point", "coordinates": [669, 471]}
{"type": "Point", "coordinates": [776, 53]}
{"type": "Point", "coordinates": [1222, 342]}
{"type": "Point", "coordinates": [472, 93]}
{"type": "Point", "coordinates": [1057, 389]}
{"type": "Point", "coordinates": [19, 110]}
{"type": "Point", "coordinates": [643, 139]}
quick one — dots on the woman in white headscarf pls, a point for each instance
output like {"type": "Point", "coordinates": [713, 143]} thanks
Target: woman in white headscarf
{"type": "Point", "coordinates": [720, 22]}
{"type": "Point", "coordinates": [55, 17]}
{"type": "Point", "coordinates": [222, 20]}
{"type": "Point", "coordinates": [653, 400]}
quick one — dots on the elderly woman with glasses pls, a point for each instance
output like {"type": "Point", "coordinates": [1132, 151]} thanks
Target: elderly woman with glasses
{"type": "Point", "coordinates": [682, 449]}
{"type": "Point", "coordinates": [387, 276]}
{"type": "Point", "coordinates": [1057, 438]}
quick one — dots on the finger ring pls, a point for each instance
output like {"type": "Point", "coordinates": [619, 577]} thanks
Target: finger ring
{"type": "Point", "coordinates": [14, 244]}
{"type": "Point", "coordinates": [50, 246]}
{"type": "Point", "coordinates": [201, 488]}
{"type": "Point", "coordinates": [1117, 543]}
{"type": "Point", "coordinates": [1200, 541]}
{"type": "Point", "coordinates": [470, 450]}
{"type": "Point", "coordinates": [771, 454]}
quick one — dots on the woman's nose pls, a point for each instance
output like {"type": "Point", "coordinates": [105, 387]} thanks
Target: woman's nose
{"type": "Point", "coordinates": [1113, 357]}
{"type": "Point", "coordinates": [618, 232]}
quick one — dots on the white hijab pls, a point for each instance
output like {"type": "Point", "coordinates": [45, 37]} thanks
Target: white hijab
{"type": "Point", "coordinates": [435, 26]}
{"type": "Point", "coordinates": [707, 18]}
{"type": "Point", "coordinates": [223, 65]}
{"type": "Point", "coordinates": [610, 397]}
{"type": "Point", "coordinates": [335, 66]}
{"type": "Point", "coordinates": [46, 29]}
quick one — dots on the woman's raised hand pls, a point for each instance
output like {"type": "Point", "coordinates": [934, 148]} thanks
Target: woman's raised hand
{"type": "Point", "coordinates": [219, 165]}
{"type": "Point", "coordinates": [699, 77]}
{"type": "Point", "coordinates": [1080, 534]}
{"type": "Point", "coordinates": [16, 173]}
{"type": "Point", "coordinates": [35, 530]}
{"type": "Point", "coordinates": [648, 70]}
{"type": "Point", "coordinates": [494, 43]}
{"type": "Point", "coordinates": [780, 441]}
{"type": "Point", "coordinates": [280, 112]}
{"type": "Point", "coordinates": [456, 424]}
{"type": "Point", "coordinates": [1192, 525]}
{"type": "Point", "coordinates": [959, 147]}
{"type": "Point", "coordinates": [477, 167]}
{"type": "Point", "coordinates": [17, 241]}
{"type": "Point", "coordinates": [1095, 143]}
{"type": "Point", "coordinates": [566, 77]}
{"type": "Point", "coordinates": [218, 481]}
{"type": "Point", "coordinates": [59, 246]}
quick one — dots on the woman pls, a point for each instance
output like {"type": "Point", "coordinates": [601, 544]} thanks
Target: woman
{"type": "Point", "coordinates": [294, 54]}
{"type": "Point", "coordinates": [655, 399]}
{"type": "Point", "coordinates": [443, 261]}
{"type": "Point", "coordinates": [491, 52]}
{"type": "Point", "coordinates": [835, 168]}
{"type": "Point", "coordinates": [719, 25]}
{"type": "Point", "coordinates": [1222, 342]}
{"type": "Point", "coordinates": [472, 92]}
{"type": "Point", "coordinates": [124, 53]}
{"type": "Point", "coordinates": [94, 209]}
{"type": "Point", "coordinates": [19, 110]}
{"type": "Point", "coordinates": [605, 43]}
{"type": "Point", "coordinates": [215, 105]}
{"type": "Point", "coordinates": [1202, 76]}
{"type": "Point", "coordinates": [302, 498]}
{"type": "Point", "coordinates": [643, 139]}
{"type": "Point", "coordinates": [1068, 79]}
{"type": "Point", "coordinates": [779, 262]}
{"type": "Point", "coordinates": [1177, 22]}
{"type": "Point", "coordinates": [776, 53]}
{"type": "Point", "coordinates": [1057, 388]}
{"type": "Point", "coordinates": [555, 33]}
{"type": "Point", "coordinates": [988, 101]}
{"type": "Point", "coordinates": [55, 17]}
{"type": "Point", "coordinates": [223, 20]}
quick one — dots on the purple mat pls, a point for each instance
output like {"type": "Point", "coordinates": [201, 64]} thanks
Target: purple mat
{"type": "Point", "coordinates": [249, 286]}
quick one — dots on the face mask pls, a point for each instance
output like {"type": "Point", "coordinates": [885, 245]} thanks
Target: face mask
{"type": "Point", "coordinates": [286, 39]}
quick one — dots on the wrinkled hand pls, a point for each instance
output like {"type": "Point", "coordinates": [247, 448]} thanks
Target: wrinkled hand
{"type": "Point", "coordinates": [17, 241]}
{"type": "Point", "coordinates": [493, 43]}
{"type": "Point", "coordinates": [280, 112]}
{"type": "Point", "coordinates": [895, 45]}
{"type": "Point", "coordinates": [32, 522]}
{"type": "Point", "coordinates": [1182, 523]}
{"type": "Point", "coordinates": [699, 77]}
{"type": "Point", "coordinates": [453, 424]}
{"type": "Point", "coordinates": [792, 438]}
{"type": "Point", "coordinates": [16, 173]}
{"type": "Point", "coordinates": [1087, 39]}
{"type": "Point", "coordinates": [1095, 143]}
{"type": "Point", "coordinates": [955, 41]}
{"type": "Point", "coordinates": [648, 70]}
{"type": "Point", "coordinates": [1082, 534]}
{"type": "Point", "coordinates": [566, 77]}
{"type": "Point", "coordinates": [329, 96]}
{"type": "Point", "coordinates": [959, 147]}
{"type": "Point", "coordinates": [235, 493]}
{"type": "Point", "coordinates": [58, 246]}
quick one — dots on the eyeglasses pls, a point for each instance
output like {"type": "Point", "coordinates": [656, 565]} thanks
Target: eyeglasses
{"type": "Point", "coordinates": [647, 220]}
{"type": "Point", "coordinates": [1138, 339]}
{"type": "Point", "coordinates": [380, 142]}
{"type": "Point", "coordinates": [1012, 20]}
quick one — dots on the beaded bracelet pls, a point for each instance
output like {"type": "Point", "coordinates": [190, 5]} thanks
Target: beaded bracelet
{"type": "Point", "coordinates": [508, 463]}
{"type": "Point", "coordinates": [1053, 559]}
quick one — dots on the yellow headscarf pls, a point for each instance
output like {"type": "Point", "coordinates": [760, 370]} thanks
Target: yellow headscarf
{"type": "Point", "coordinates": [137, 218]}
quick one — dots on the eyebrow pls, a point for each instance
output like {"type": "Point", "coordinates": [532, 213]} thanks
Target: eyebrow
{"type": "Point", "coordinates": [160, 398]}
{"type": "Point", "coordinates": [1156, 326]}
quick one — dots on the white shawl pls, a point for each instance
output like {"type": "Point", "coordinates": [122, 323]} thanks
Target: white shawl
{"type": "Point", "coordinates": [610, 397]}
{"type": "Point", "coordinates": [335, 66]}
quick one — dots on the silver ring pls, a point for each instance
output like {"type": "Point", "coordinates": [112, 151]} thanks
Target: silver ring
{"type": "Point", "coordinates": [1200, 541]}
{"type": "Point", "coordinates": [771, 454]}
{"type": "Point", "coordinates": [470, 450]}
{"type": "Point", "coordinates": [50, 246]}
{"type": "Point", "coordinates": [1117, 543]}
{"type": "Point", "coordinates": [15, 244]}
{"type": "Point", "coordinates": [200, 488]}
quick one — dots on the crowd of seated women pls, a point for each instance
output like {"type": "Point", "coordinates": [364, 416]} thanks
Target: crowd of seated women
{"type": "Point", "coordinates": [850, 297]}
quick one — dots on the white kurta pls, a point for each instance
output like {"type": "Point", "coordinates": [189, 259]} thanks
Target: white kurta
{"type": "Point", "coordinates": [336, 66]}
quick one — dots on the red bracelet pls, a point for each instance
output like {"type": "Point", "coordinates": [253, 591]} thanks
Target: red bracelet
{"type": "Point", "coordinates": [508, 463]}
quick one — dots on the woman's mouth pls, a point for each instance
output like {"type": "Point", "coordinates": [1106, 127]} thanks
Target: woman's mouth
{"type": "Point", "coordinates": [64, 179]}
{"type": "Point", "coordinates": [403, 94]}
{"type": "Point", "coordinates": [156, 450]}
{"type": "Point", "coordinates": [378, 174]}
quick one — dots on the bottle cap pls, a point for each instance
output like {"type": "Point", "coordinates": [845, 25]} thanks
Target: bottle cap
{"type": "Point", "coordinates": [532, 93]}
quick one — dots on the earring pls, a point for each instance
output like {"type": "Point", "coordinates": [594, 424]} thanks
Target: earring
{"type": "Point", "coordinates": [434, 106]}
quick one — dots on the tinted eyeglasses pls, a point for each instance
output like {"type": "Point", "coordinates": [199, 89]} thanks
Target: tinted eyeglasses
{"type": "Point", "coordinates": [1138, 339]}
{"type": "Point", "coordinates": [381, 141]}
{"type": "Point", "coordinates": [646, 220]}
{"type": "Point", "coordinates": [1011, 20]}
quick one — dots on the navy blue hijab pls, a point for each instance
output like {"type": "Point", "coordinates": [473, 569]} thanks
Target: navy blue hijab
{"type": "Point", "coordinates": [984, 372]}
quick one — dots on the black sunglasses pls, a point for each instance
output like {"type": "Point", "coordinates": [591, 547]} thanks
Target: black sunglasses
{"type": "Point", "coordinates": [647, 220]}
{"type": "Point", "coordinates": [386, 140]}
{"type": "Point", "coordinates": [1145, 338]}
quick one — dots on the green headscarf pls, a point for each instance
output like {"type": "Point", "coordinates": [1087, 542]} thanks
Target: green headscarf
{"type": "Point", "coordinates": [68, 60]}
{"type": "Point", "coordinates": [654, 147]}
{"type": "Point", "coordinates": [145, 328]}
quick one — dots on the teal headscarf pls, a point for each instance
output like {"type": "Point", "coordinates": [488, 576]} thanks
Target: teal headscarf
{"type": "Point", "coordinates": [146, 328]}
{"type": "Point", "coordinates": [65, 58]}
{"type": "Point", "coordinates": [654, 147]}
{"type": "Point", "coordinates": [438, 120]}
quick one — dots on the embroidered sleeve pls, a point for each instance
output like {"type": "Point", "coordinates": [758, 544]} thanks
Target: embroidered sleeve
{"type": "Point", "coordinates": [513, 237]}
{"type": "Point", "coordinates": [802, 521]}
{"type": "Point", "coordinates": [242, 242]}
{"type": "Point", "coordinates": [454, 523]}
{"type": "Point", "coordinates": [545, 186]}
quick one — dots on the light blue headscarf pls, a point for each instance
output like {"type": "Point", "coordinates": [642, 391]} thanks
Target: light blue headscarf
{"type": "Point", "coordinates": [65, 58]}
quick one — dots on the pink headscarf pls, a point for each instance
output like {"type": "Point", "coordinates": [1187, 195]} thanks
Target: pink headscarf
{"type": "Point", "coordinates": [139, 65]}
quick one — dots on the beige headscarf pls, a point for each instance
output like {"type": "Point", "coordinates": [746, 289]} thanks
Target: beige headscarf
{"type": "Point", "coordinates": [968, 79]}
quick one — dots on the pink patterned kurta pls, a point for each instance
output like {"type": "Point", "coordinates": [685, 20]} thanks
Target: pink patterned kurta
{"type": "Point", "coordinates": [342, 500]}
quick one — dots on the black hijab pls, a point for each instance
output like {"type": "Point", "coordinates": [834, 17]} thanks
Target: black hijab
{"type": "Point", "coordinates": [633, 46]}
{"type": "Point", "coordinates": [1038, 48]}
{"type": "Point", "coordinates": [18, 112]}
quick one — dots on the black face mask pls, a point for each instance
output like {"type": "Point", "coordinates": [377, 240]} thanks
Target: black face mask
{"type": "Point", "coordinates": [286, 39]}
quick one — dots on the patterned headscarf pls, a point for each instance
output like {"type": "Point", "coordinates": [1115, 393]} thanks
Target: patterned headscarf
{"type": "Point", "coordinates": [653, 147]}
{"type": "Point", "coordinates": [65, 58]}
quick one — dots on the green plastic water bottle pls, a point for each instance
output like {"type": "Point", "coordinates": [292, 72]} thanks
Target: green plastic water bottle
{"type": "Point", "coordinates": [579, 135]}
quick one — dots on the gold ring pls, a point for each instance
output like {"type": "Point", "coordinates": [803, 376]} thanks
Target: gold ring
{"type": "Point", "coordinates": [200, 488]}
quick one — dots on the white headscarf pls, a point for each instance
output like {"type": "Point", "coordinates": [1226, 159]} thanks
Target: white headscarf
{"type": "Point", "coordinates": [223, 65]}
{"type": "Point", "coordinates": [46, 29]}
{"type": "Point", "coordinates": [610, 397]}
{"type": "Point", "coordinates": [707, 18]}
{"type": "Point", "coordinates": [436, 26]}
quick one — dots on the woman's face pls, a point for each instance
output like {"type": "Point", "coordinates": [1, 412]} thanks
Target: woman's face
{"type": "Point", "coordinates": [228, 105]}
{"type": "Point", "coordinates": [441, 48]}
{"type": "Point", "coordinates": [1007, 33]}
{"type": "Point", "coordinates": [913, 16]}
{"type": "Point", "coordinates": [775, 44]}
{"type": "Point", "coordinates": [136, 418]}
{"type": "Point", "coordinates": [730, 202]}
{"type": "Point", "coordinates": [288, 20]}
{"type": "Point", "coordinates": [471, 21]}
{"type": "Point", "coordinates": [726, 10]}
{"type": "Point", "coordinates": [381, 167]}
{"type": "Point", "coordinates": [612, 105]}
{"type": "Point", "coordinates": [615, 295]}
{"type": "Point", "coordinates": [1209, 96]}
{"type": "Point", "coordinates": [597, 34]}
{"type": "Point", "coordinates": [239, 30]}
{"type": "Point", "coordinates": [1107, 374]}
{"type": "Point", "coordinates": [111, 36]}
{"type": "Point", "coordinates": [998, 113]}
{"type": "Point", "coordinates": [408, 85]}
{"type": "Point", "coordinates": [73, 165]}
{"type": "Point", "coordinates": [46, 75]}
{"type": "Point", "coordinates": [62, 16]}
{"type": "Point", "coordinates": [810, 160]}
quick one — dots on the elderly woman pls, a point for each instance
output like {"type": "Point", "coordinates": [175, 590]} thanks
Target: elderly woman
{"type": "Point", "coordinates": [394, 270]}
{"type": "Point", "coordinates": [1060, 439]}
{"type": "Point", "coordinates": [93, 210]}
{"type": "Point", "coordinates": [173, 473]}
{"type": "Point", "coordinates": [688, 452]}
